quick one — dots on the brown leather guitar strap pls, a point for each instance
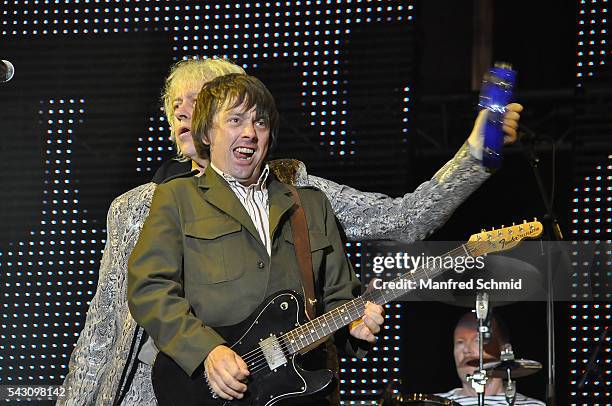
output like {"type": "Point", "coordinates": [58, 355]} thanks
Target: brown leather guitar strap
{"type": "Point", "coordinates": [301, 241]}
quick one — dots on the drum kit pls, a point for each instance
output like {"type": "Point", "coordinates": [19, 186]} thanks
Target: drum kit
{"type": "Point", "coordinates": [507, 368]}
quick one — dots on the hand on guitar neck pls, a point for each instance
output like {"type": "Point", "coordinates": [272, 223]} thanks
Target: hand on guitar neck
{"type": "Point", "coordinates": [226, 372]}
{"type": "Point", "coordinates": [368, 325]}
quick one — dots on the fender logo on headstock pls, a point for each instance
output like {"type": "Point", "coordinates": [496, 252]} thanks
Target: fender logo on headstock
{"type": "Point", "coordinates": [505, 237]}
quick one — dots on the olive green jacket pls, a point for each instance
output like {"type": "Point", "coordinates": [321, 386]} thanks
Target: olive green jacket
{"type": "Point", "coordinates": [199, 262]}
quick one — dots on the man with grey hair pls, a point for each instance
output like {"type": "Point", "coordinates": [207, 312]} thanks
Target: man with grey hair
{"type": "Point", "coordinates": [465, 352]}
{"type": "Point", "coordinates": [111, 363]}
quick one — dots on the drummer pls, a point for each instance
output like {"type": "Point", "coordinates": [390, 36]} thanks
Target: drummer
{"type": "Point", "coordinates": [466, 350]}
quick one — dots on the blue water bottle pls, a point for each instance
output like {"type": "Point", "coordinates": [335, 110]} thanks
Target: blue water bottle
{"type": "Point", "coordinates": [495, 94]}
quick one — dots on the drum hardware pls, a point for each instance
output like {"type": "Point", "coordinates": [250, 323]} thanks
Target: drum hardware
{"type": "Point", "coordinates": [418, 399]}
{"type": "Point", "coordinates": [518, 368]}
{"type": "Point", "coordinates": [508, 368]}
{"type": "Point", "coordinates": [422, 399]}
{"type": "Point", "coordinates": [392, 396]}
{"type": "Point", "coordinates": [479, 378]}
{"type": "Point", "coordinates": [506, 356]}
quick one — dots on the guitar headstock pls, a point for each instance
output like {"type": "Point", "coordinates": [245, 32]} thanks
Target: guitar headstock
{"type": "Point", "coordinates": [504, 238]}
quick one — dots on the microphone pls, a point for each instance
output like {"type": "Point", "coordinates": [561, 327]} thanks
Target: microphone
{"type": "Point", "coordinates": [482, 305]}
{"type": "Point", "coordinates": [7, 70]}
{"type": "Point", "coordinates": [482, 313]}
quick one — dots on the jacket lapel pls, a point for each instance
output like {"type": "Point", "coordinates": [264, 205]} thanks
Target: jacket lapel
{"type": "Point", "coordinates": [218, 193]}
{"type": "Point", "coordinates": [280, 199]}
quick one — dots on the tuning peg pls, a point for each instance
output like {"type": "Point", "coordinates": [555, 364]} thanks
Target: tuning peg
{"type": "Point", "coordinates": [535, 219]}
{"type": "Point", "coordinates": [503, 226]}
{"type": "Point", "coordinates": [524, 221]}
{"type": "Point", "coordinates": [513, 224]}
{"type": "Point", "coordinates": [483, 230]}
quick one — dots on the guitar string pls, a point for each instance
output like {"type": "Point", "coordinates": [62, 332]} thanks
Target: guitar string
{"type": "Point", "coordinates": [262, 366]}
{"type": "Point", "coordinates": [334, 318]}
{"type": "Point", "coordinates": [302, 330]}
{"type": "Point", "coordinates": [289, 339]}
{"type": "Point", "coordinates": [299, 333]}
{"type": "Point", "coordinates": [258, 353]}
{"type": "Point", "coordinates": [257, 356]}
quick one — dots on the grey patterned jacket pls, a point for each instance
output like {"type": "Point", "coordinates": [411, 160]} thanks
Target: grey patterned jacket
{"type": "Point", "coordinates": [105, 356]}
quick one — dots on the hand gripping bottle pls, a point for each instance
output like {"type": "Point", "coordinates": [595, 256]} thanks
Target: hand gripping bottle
{"type": "Point", "coordinates": [495, 94]}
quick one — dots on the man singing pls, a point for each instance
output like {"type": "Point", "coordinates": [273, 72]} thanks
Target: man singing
{"type": "Point", "coordinates": [214, 246]}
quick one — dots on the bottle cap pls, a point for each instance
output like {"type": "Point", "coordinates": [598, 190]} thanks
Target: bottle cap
{"type": "Point", "coordinates": [503, 65]}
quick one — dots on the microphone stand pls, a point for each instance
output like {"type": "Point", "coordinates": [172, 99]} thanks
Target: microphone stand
{"type": "Point", "coordinates": [479, 378]}
{"type": "Point", "coordinates": [507, 355]}
{"type": "Point", "coordinates": [551, 219]}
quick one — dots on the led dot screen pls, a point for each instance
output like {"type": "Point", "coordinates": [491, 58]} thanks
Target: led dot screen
{"type": "Point", "coordinates": [589, 357]}
{"type": "Point", "coordinates": [589, 348]}
{"type": "Point", "coordinates": [593, 48]}
{"type": "Point", "coordinates": [84, 102]}
{"type": "Point", "coordinates": [49, 276]}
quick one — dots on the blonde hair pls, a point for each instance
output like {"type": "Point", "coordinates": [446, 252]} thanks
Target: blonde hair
{"type": "Point", "coordinates": [192, 71]}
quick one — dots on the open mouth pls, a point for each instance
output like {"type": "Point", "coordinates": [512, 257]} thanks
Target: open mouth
{"type": "Point", "coordinates": [243, 153]}
{"type": "Point", "coordinates": [183, 130]}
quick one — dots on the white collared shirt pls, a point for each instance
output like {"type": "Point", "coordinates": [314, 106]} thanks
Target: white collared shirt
{"type": "Point", "coordinates": [254, 198]}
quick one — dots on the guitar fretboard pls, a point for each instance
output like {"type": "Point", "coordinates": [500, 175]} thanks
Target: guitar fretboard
{"type": "Point", "coordinates": [332, 321]}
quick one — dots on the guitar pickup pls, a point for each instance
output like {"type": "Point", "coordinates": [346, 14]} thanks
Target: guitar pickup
{"type": "Point", "coordinates": [273, 352]}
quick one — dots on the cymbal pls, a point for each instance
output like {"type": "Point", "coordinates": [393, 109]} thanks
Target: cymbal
{"type": "Point", "coordinates": [499, 269]}
{"type": "Point", "coordinates": [518, 368]}
{"type": "Point", "coordinates": [416, 399]}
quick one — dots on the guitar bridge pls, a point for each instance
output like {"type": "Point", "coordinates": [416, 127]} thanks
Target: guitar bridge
{"type": "Point", "coordinates": [273, 352]}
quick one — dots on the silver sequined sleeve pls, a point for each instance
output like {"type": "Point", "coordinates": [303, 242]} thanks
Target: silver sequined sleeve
{"type": "Point", "coordinates": [101, 352]}
{"type": "Point", "coordinates": [412, 217]}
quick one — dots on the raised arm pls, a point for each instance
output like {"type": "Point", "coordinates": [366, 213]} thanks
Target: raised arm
{"type": "Point", "coordinates": [412, 217]}
{"type": "Point", "coordinates": [416, 215]}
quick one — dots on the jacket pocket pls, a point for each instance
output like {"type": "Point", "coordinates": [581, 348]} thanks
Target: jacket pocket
{"type": "Point", "coordinates": [318, 240]}
{"type": "Point", "coordinates": [211, 228]}
{"type": "Point", "coordinates": [319, 247]}
{"type": "Point", "coordinates": [209, 244]}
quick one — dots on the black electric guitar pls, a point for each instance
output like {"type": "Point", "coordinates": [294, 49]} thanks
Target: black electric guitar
{"type": "Point", "coordinates": [271, 339]}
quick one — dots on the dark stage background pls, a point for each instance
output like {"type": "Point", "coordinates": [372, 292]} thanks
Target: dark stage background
{"type": "Point", "coordinates": [374, 94]}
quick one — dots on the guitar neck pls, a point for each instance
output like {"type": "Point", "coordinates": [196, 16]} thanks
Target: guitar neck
{"type": "Point", "coordinates": [343, 315]}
